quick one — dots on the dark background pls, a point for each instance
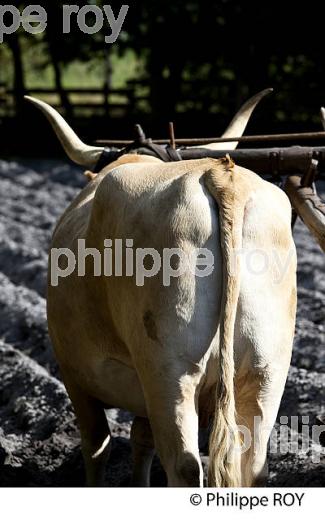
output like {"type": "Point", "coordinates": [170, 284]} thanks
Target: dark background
{"type": "Point", "coordinates": [190, 61]}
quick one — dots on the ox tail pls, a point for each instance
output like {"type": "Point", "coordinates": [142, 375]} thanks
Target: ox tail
{"type": "Point", "coordinates": [229, 188]}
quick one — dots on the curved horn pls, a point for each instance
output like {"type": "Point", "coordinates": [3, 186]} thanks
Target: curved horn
{"type": "Point", "coordinates": [239, 122]}
{"type": "Point", "coordinates": [78, 151]}
{"type": "Point", "coordinates": [322, 116]}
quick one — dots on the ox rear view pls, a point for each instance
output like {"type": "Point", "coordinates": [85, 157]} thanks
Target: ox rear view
{"type": "Point", "coordinates": [201, 336]}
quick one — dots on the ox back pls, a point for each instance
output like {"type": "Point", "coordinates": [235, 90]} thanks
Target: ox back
{"type": "Point", "coordinates": [158, 349]}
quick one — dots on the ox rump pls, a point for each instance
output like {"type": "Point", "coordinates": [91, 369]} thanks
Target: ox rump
{"type": "Point", "coordinates": [201, 350]}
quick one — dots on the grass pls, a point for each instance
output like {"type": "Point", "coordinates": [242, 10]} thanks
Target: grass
{"type": "Point", "coordinates": [77, 74]}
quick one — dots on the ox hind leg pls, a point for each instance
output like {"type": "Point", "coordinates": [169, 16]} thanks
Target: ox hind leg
{"type": "Point", "coordinates": [143, 450]}
{"type": "Point", "coordinates": [171, 399]}
{"type": "Point", "coordinates": [261, 376]}
{"type": "Point", "coordinates": [257, 402]}
{"type": "Point", "coordinates": [94, 431]}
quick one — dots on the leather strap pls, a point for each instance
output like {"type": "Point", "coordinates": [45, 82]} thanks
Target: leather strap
{"type": "Point", "coordinates": [141, 146]}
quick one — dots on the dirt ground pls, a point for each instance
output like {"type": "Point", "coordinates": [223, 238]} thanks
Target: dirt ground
{"type": "Point", "coordinates": [39, 441]}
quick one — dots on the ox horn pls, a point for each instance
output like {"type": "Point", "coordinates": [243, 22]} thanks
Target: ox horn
{"type": "Point", "coordinates": [79, 152]}
{"type": "Point", "coordinates": [239, 123]}
{"type": "Point", "coordinates": [322, 116]}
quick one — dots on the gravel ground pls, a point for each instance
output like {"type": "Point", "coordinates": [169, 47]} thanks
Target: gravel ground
{"type": "Point", "coordinates": [39, 441]}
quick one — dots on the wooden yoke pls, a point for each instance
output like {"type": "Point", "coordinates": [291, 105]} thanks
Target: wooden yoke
{"type": "Point", "coordinates": [309, 207]}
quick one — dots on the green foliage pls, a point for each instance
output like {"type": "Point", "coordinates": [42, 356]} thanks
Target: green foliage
{"type": "Point", "coordinates": [189, 55]}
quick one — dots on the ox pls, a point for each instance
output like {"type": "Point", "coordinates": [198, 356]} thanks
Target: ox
{"type": "Point", "coordinates": [215, 348]}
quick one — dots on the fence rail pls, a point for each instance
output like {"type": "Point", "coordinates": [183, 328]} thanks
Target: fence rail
{"type": "Point", "coordinates": [123, 100]}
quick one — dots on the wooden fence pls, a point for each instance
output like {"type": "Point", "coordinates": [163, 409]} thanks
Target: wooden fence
{"type": "Point", "coordinates": [81, 102]}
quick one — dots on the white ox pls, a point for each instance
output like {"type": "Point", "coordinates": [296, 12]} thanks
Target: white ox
{"type": "Point", "coordinates": [212, 348]}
